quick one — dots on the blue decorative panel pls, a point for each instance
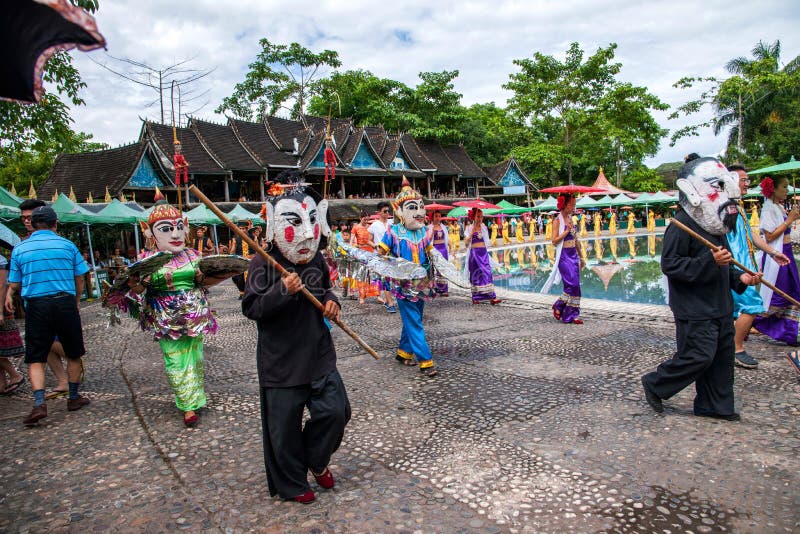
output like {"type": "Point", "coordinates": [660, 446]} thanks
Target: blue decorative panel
{"type": "Point", "coordinates": [319, 161]}
{"type": "Point", "coordinates": [364, 159]}
{"type": "Point", "coordinates": [514, 190]}
{"type": "Point", "coordinates": [145, 175]}
{"type": "Point", "coordinates": [512, 178]}
{"type": "Point", "coordinates": [399, 162]}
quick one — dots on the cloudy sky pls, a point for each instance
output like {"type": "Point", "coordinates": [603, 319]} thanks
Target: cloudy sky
{"type": "Point", "coordinates": [658, 43]}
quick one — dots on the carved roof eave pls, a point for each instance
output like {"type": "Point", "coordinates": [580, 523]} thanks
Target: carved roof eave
{"type": "Point", "coordinates": [191, 127]}
{"type": "Point", "coordinates": [365, 137]}
{"type": "Point", "coordinates": [235, 129]}
{"type": "Point", "coordinates": [420, 168]}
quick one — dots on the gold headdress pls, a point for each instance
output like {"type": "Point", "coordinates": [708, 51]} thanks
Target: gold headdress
{"type": "Point", "coordinates": [162, 210]}
{"type": "Point", "coordinates": [406, 193]}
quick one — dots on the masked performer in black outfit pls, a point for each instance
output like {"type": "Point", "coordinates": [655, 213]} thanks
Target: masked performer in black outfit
{"type": "Point", "coordinates": [700, 284]}
{"type": "Point", "coordinates": [295, 355]}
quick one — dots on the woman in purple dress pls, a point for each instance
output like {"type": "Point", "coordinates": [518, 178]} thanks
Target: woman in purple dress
{"type": "Point", "coordinates": [480, 269]}
{"type": "Point", "coordinates": [568, 264]}
{"type": "Point", "coordinates": [437, 233]}
{"type": "Point", "coordinates": [780, 320]}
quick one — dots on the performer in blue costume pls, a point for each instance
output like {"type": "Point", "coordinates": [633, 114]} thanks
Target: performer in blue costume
{"type": "Point", "coordinates": [408, 239]}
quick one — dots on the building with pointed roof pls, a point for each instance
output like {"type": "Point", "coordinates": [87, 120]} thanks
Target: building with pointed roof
{"type": "Point", "coordinates": [232, 161]}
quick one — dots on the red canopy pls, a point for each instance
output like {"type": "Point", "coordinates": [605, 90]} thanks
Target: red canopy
{"type": "Point", "coordinates": [478, 203]}
{"type": "Point", "coordinates": [605, 186]}
{"type": "Point", "coordinates": [438, 207]}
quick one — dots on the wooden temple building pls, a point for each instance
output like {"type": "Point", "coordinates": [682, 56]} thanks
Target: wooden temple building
{"type": "Point", "coordinates": [231, 162]}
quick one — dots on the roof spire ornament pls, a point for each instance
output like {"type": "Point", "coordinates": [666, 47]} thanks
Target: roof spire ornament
{"type": "Point", "coordinates": [122, 197]}
{"type": "Point", "coordinates": [108, 196]}
{"type": "Point", "coordinates": [72, 196]}
{"type": "Point", "coordinates": [31, 191]}
{"type": "Point", "coordinates": [89, 199]}
{"type": "Point", "coordinates": [13, 189]}
{"type": "Point", "coordinates": [55, 196]}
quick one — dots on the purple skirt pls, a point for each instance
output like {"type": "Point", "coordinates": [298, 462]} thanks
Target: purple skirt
{"type": "Point", "coordinates": [480, 274]}
{"type": "Point", "coordinates": [780, 320]}
{"type": "Point", "coordinates": [568, 304]}
{"type": "Point", "coordinates": [440, 283]}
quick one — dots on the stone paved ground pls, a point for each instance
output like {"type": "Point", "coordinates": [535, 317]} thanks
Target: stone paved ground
{"type": "Point", "coordinates": [532, 426]}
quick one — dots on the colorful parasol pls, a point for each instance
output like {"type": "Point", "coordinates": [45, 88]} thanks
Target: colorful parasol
{"type": "Point", "coordinates": [438, 207]}
{"type": "Point", "coordinates": [477, 203]}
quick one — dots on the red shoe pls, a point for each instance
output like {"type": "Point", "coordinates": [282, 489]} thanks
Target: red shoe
{"type": "Point", "coordinates": [325, 479]}
{"type": "Point", "coordinates": [476, 301]}
{"type": "Point", "coordinates": [306, 498]}
{"type": "Point", "coordinates": [189, 420]}
{"type": "Point", "coordinates": [556, 314]}
{"type": "Point", "coordinates": [495, 301]}
{"type": "Point", "coordinates": [577, 321]}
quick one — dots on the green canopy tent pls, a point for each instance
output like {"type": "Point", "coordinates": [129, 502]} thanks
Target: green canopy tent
{"type": "Point", "coordinates": [585, 202]}
{"type": "Point", "coordinates": [69, 212]}
{"type": "Point", "coordinates": [791, 165]}
{"type": "Point", "coordinates": [548, 204]}
{"type": "Point", "coordinates": [660, 197]}
{"type": "Point", "coordinates": [118, 213]}
{"type": "Point", "coordinates": [7, 198]}
{"type": "Point", "coordinates": [238, 213]}
{"type": "Point", "coordinates": [507, 208]}
{"type": "Point", "coordinates": [459, 211]}
{"type": "Point", "coordinates": [604, 202]}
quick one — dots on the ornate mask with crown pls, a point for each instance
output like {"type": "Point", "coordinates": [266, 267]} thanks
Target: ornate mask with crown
{"type": "Point", "coordinates": [409, 208]}
{"type": "Point", "coordinates": [296, 218]}
{"type": "Point", "coordinates": [166, 226]}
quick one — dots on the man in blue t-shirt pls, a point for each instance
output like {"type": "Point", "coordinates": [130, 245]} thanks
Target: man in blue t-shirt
{"type": "Point", "coordinates": [48, 270]}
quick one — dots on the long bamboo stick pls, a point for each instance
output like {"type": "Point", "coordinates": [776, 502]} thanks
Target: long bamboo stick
{"type": "Point", "coordinates": [269, 259]}
{"type": "Point", "coordinates": [714, 247]}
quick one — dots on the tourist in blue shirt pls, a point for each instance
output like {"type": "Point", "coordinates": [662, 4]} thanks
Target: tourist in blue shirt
{"type": "Point", "coordinates": [48, 270]}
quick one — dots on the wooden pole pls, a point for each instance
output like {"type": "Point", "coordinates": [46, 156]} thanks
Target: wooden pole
{"type": "Point", "coordinates": [270, 260]}
{"type": "Point", "coordinates": [714, 247]}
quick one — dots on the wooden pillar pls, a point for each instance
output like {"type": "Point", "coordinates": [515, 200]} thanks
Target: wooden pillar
{"type": "Point", "coordinates": [429, 186]}
{"type": "Point", "coordinates": [261, 187]}
{"type": "Point", "coordinates": [383, 187]}
{"type": "Point", "coordinates": [341, 180]}
{"type": "Point", "coordinates": [477, 188]}
{"type": "Point", "coordinates": [227, 190]}
{"type": "Point", "coordinates": [453, 181]}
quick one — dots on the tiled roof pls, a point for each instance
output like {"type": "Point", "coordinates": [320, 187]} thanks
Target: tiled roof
{"type": "Point", "coordinates": [390, 146]}
{"type": "Point", "coordinates": [378, 137]}
{"type": "Point", "coordinates": [495, 173]}
{"type": "Point", "coordinates": [350, 149]}
{"type": "Point", "coordinates": [282, 132]}
{"type": "Point", "coordinates": [200, 161]}
{"type": "Point", "coordinates": [312, 151]}
{"type": "Point", "coordinates": [221, 141]}
{"type": "Point", "coordinates": [436, 155]}
{"type": "Point", "coordinates": [413, 151]}
{"type": "Point", "coordinates": [459, 156]}
{"type": "Point", "coordinates": [253, 136]}
{"type": "Point", "coordinates": [91, 172]}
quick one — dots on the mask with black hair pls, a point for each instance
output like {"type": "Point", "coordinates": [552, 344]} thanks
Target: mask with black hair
{"type": "Point", "coordinates": [708, 193]}
{"type": "Point", "coordinates": [296, 218]}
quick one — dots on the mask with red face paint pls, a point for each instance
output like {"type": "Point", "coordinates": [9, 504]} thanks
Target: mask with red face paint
{"type": "Point", "coordinates": [295, 224]}
{"type": "Point", "coordinates": [709, 193]}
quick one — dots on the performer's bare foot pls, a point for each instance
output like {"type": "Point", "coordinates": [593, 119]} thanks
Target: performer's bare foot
{"type": "Point", "coordinates": [189, 418]}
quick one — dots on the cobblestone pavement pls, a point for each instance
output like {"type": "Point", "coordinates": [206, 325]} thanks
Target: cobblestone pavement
{"type": "Point", "coordinates": [532, 426]}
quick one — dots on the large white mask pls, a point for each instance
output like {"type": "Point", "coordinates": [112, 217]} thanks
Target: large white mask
{"type": "Point", "coordinates": [412, 214]}
{"type": "Point", "coordinates": [708, 194]}
{"type": "Point", "coordinates": [295, 224]}
{"type": "Point", "coordinates": [169, 234]}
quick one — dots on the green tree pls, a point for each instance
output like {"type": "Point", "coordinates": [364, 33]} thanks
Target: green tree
{"type": "Point", "coordinates": [433, 110]}
{"type": "Point", "coordinates": [279, 74]}
{"type": "Point", "coordinates": [364, 97]}
{"type": "Point", "coordinates": [758, 95]}
{"type": "Point", "coordinates": [546, 89]}
{"type": "Point", "coordinates": [641, 178]}
{"type": "Point", "coordinates": [490, 133]}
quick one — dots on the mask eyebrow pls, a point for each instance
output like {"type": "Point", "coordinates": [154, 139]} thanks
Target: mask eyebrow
{"type": "Point", "coordinates": [290, 214]}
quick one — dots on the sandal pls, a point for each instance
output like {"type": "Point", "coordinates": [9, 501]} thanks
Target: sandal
{"type": "Point", "coordinates": [577, 321]}
{"type": "Point", "coordinates": [13, 386]}
{"type": "Point", "coordinates": [405, 361]}
{"type": "Point", "coordinates": [430, 372]}
{"type": "Point", "coordinates": [556, 314]}
{"type": "Point", "coordinates": [56, 393]}
{"type": "Point", "coordinates": [189, 420]}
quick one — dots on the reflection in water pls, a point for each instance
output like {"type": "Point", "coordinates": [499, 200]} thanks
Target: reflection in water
{"type": "Point", "coordinates": [614, 269]}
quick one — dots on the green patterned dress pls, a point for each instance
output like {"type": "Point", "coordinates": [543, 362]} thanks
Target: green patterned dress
{"type": "Point", "coordinates": [175, 309]}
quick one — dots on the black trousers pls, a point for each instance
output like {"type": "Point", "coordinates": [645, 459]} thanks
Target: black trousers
{"type": "Point", "coordinates": [705, 356]}
{"type": "Point", "coordinates": [290, 448]}
{"type": "Point", "coordinates": [238, 281]}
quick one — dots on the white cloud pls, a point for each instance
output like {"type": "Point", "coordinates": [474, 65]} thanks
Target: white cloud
{"type": "Point", "coordinates": [658, 43]}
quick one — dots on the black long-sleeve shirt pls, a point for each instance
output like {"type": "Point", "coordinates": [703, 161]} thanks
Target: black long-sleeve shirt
{"type": "Point", "coordinates": [294, 344]}
{"type": "Point", "coordinates": [698, 288]}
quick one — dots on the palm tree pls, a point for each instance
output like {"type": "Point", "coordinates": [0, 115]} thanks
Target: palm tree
{"type": "Point", "coordinates": [752, 104]}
